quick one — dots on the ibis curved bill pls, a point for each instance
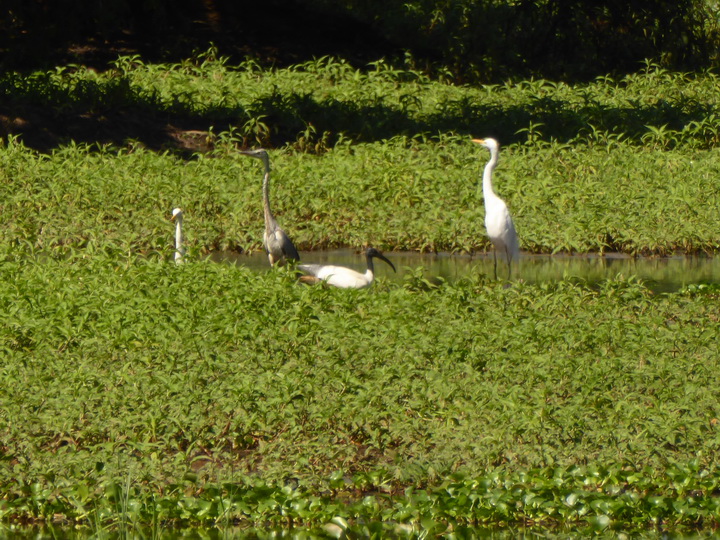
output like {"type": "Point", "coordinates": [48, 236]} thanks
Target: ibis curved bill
{"type": "Point", "coordinates": [278, 246]}
{"type": "Point", "coordinates": [341, 276]}
{"type": "Point", "coordinates": [177, 217]}
{"type": "Point", "coordinates": [498, 222]}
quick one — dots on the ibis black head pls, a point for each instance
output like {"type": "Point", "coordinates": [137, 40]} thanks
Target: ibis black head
{"type": "Point", "coordinates": [374, 253]}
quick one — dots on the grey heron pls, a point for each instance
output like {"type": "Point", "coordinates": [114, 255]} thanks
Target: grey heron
{"type": "Point", "coordinates": [177, 217]}
{"type": "Point", "coordinates": [341, 276]}
{"type": "Point", "coordinates": [278, 246]}
{"type": "Point", "coordinates": [499, 224]}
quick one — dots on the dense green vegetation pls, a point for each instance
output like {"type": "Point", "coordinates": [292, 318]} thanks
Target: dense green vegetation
{"type": "Point", "coordinates": [317, 104]}
{"type": "Point", "coordinates": [140, 393]}
{"type": "Point", "coordinates": [382, 194]}
{"type": "Point", "coordinates": [134, 382]}
{"type": "Point", "coordinates": [624, 165]}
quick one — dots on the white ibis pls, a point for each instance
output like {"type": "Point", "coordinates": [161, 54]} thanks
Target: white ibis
{"type": "Point", "coordinates": [341, 276]}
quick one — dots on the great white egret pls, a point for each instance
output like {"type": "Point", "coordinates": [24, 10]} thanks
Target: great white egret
{"type": "Point", "coordinates": [341, 276]}
{"type": "Point", "coordinates": [177, 217]}
{"type": "Point", "coordinates": [277, 244]}
{"type": "Point", "coordinates": [499, 224]}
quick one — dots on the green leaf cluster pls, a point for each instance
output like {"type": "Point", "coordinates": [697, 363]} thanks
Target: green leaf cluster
{"type": "Point", "coordinates": [564, 198]}
{"type": "Point", "coordinates": [317, 104]}
{"type": "Point", "coordinates": [133, 389]}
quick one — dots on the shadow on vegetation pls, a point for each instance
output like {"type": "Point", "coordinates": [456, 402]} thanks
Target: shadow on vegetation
{"type": "Point", "coordinates": [45, 114]}
{"type": "Point", "coordinates": [489, 40]}
{"type": "Point", "coordinates": [40, 35]}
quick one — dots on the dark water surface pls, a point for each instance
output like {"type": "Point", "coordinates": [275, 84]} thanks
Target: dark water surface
{"type": "Point", "coordinates": [661, 274]}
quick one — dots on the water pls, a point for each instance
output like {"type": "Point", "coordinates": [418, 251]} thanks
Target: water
{"type": "Point", "coordinates": [661, 274]}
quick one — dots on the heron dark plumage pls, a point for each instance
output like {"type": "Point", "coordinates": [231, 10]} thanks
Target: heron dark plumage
{"type": "Point", "coordinates": [277, 243]}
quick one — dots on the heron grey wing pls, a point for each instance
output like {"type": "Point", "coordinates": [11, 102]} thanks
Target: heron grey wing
{"type": "Point", "coordinates": [288, 248]}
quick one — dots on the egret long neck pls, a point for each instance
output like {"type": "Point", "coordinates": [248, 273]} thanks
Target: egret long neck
{"type": "Point", "coordinates": [178, 238]}
{"type": "Point", "coordinates": [487, 175]}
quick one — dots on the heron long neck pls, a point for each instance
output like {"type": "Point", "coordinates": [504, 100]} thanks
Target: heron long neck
{"type": "Point", "coordinates": [269, 218]}
{"type": "Point", "coordinates": [487, 175]}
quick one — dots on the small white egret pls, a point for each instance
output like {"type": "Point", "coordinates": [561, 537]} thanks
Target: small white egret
{"type": "Point", "coordinates": [498, 222]}
{"type": "Point", "coordinates": [177, 217]}
{"type": "Point", "coordinates": [341, 276]}
{"type": "Point", "coordinates": [277, 244]}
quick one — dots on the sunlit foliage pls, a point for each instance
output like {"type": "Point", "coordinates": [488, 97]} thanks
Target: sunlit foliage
{"type": "Point", "coordinates": [135, 391]}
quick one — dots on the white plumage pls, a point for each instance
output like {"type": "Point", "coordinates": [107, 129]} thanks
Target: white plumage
{"type": "Point", "coordinates": [341, 276]}
{"type": "Point", "coordinates": [177, 217]}
{"type": "Point", "coordinates": [498, 222]}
